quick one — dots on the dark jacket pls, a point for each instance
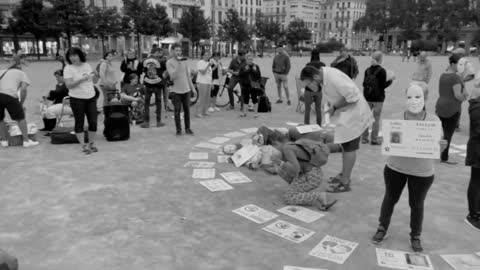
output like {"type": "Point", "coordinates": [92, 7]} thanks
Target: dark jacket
{"type": "Point", "coordinates": [316, 64]}
{"type": "Point", "coordinates": [124, 68]}
{"type": "Point", "coordinates": [58, 94]}
{"type": "Point", "coordinates": [378, 95]}
{"type": "Point", "coordinates": [473, 145]}
{"type": "Point", "coordinates": [249, 73]}
{"type": "Point", "coordinates": [281, 64]}
{"type": "Point", "coordinates": [348, 66]}
{"type": "Point", "coordinates": [153, 69]}
{"type": "Point", "coordinates": [235, 65]}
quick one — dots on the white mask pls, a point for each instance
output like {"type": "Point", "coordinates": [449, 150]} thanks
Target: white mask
{"type": "Point", "coordinates": [415, 99]}
{"type": "Point", "coordinates": [461, 65]}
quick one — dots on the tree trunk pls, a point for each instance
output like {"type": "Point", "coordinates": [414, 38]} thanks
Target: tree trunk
{"type": "Point", "coordinates": [44, 43]}
{"type": "Point", "coordinates": [138, 46]}
{"type": "Point", "coordinates": [16, 46]}
{"type": "Point", "coordinates": [37, 41]}
{"type": "Point", "coordinates": [69, 37]}
{"type": "Point", "coordinates": [103, 44]}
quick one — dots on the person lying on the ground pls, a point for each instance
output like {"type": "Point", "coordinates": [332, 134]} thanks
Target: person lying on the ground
{"type": "Point", "coordinates": [132, 92]}
{"type": "Point", "coordinates": [300, 165]}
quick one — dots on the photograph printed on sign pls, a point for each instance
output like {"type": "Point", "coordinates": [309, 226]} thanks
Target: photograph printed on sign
{"type": "Point", "coordinates": [255, 213]}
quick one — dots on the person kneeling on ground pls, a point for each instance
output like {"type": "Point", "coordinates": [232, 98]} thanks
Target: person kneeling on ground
{"type": "Point", "coordinates": [300, 167]}
{"type": "Point", "coordinates": [132, 95]}
{"type": "Point", "coordinates": [51, 112]}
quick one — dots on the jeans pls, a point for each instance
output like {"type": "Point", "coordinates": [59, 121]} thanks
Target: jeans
{"type": "Point", "coordinates": [179, 101]}
{"type": "Point", "coordinates": [149, 91]}
{"type": "Point", "coordinates": [234, 80]}
{"type": "Point", "coordinates": [81, 108]}
{"type": "Point", "coordinates": [248, 93]}
{"type": "Point", "coordinates": [203, 97]}
{"type": "Point", "coordinates": [282, 79]}
{"type": "Point", "coordinates": [315, 97]}
{"type": "Point", "coordinates": [417, 192]}
{"type": "Point", "coordinates": [448, 124]}
{"type": "Point", "coordinates": [473, 193]}
{"type": "Point", "coordinates": [376, 108]}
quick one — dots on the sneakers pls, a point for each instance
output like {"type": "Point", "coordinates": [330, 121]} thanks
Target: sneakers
{"type": "Point", "coordinates": [279, 101]}
{"type": "Point", "coordinates": [145, 125]}
{"type": "Point", "coordinates": [379, 236]}
{"type": "Point", "coordinates": [30, 143]}
{"type": "Point", "coordinates": [365, 141]}
{"type": "Point", "coordinates": [160, 124]}
{"type": "Point", "coordinates": [217, 109]}
{"type": "Point", "coordinates": [211, 110]}
{"type": "Point", "coordinates": [4, 144]}
{"type": "Point", "coordinates": [179, 133]}
{"type": "Point", "coordinates": [199, 115]}
{"type": "Point", "coordinates": [188, 131]}
{"type": "Point", "coordinates": [86, 150]}
{"type": "Point", "coordinates": [473, 221]}
{"type": "Point", "coordinates": [289, 103]}
{"type": "Point", "coordinates": [416, 244]}
{"type": "Point", "coordinates": [92, 148]}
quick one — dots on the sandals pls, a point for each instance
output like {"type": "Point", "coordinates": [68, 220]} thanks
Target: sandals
{"type": "Point", "coordinates": [341, 187]}
{"type": "Point", "coordinates": [325, 207]}
{"type": "Point", "coordinates": [335, 179]}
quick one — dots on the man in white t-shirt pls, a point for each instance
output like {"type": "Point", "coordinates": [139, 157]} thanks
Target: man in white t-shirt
{"type": "Point", "coordinates": [14, 81]}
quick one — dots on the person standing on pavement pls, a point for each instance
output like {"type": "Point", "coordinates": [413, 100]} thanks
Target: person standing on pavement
{"type": "Point", "coordinates": [108, 81]}
{"type": "Point", "coordinates": [374, 85]}
{"type": "Point", "coordinates": [204, 84]}
{"type": "Point", "coordinates": [315, 59]}
{"type": "Point", "coordinates": [153, 67]}
{"type": "Point", "coordinates": [249, 74]}
{"type": "Point", "coordinates": [417, 173]}
{"type": "Point", "coordinates": [234, 68]}
{"type": "Point", "coordinates": [346, 63]}
{"type": "Point", "coordinates": [13, 81]}
{"type": "Point", "coordinates": [473, 158]}
{"type": "Point", "coordinates": [181, 89]}
{"type": "Point", "coordinates": [281, 68]}
{"type": "Point", "coordinates": [423, 72]}
{"type": "Point", "coordinates": [349, 112]}
{"type": "Point", "coordinates": [449, 103]}
{"type": "Point", "coordinates": [466, 72]}
{"type": "Point", "coordinates": [217, 73]}
{"type": "Point", "coordinates": [313, 95]}
{"type": "Point", "coordinates": [129, 66]}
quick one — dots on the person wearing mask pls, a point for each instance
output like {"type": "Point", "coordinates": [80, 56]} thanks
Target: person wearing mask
{"type": "Point", "coordinates": [417, 173]}
{"type": "Point", "coordinates": [249, 73]}
{"type": "Point", "coordinates": [13, 93]}
{"type": "Point", "coordinates": [153, 68]}
{"type": "Point", "coordinates": [346, 63]}
{"type": "Point", "coordinates": [80, 79]}
{"type": "Point", "coordinates": [234, 68]}
{"type": "Point", "coordinates": [56, 109]}
{"type": "Point", "coordinates": [449, 102]}
{"type": "Point", "coordinates": [473, 158]}
{"type": "Point", "coordinates": [217, 73]}
{"type": "Point", "coordinates": [349, 112]}
{"type": "Point", "coordinates": [281, 68]}
{"type": "Point", "coordinates": [204, 83]}
{"type": "Point", "coordinates": [129, 66]}
{"type": "Point", "coordinates": [374, 85]}
{"type": "Point", "coordinates": [181, 89]}
{"type": "Point", "coordinates": [466, 72]}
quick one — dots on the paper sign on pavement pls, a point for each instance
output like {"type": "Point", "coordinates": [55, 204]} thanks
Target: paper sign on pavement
{"type": "Point", "coordinates": [208, 145]}
{"type": "Point", "coordinates": [235, 177]}
{"type": "Point", "coordinates": [244, 154]}
{"type": "Point", "coordinates": [255, 213]}
{"type": "Point", "coordinates": [219, 140]}
{"type": "Point", "coordinates": [463, 261]}
{"type": "Point", "coordinates": [288, 267]}
{"type": "Point", "coordinates": [199, 164]}
{"type": "Point", "coordinates": [198, 155]}
{"type": "Point", "coordinates": [403, 260]}
{"type": "Point", "coordinates": [308, 128]}
{"type": "Point", "coordinates": [249, 130]}
{"type": "Point", "coordinates": [289, 231]}
{"type": "Point", "coordinates": [235, 134]}
{"type": "Point", "coordinates": [216, 185]}
{"type": "Point", "coordinates": [222, 159]}
{"type": "Point", "coordinates": [293, 124]}
{"type": "Point", "coordinates": [301, 213]}
{"type": "Point", "coordinates": [203, 173]}
{"type": "Point", "coordinates": [333, 249]}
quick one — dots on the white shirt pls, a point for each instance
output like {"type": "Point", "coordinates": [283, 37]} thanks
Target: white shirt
{"type": "Point", "coordinates": [205, 78]}
{"type": "Point", "coordinates": [352, 120]}
{"type": "Point", "coordinates": [11, 81]}
{"type": "Point", "coordinates": [85, 89]}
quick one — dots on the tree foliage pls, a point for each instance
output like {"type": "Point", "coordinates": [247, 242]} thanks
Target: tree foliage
{"type": "Point", "coordinates": [267, 30]}
{"type": "Point", "coordinates": [69, 17]}
{"type": "Point", "coordinates": [297, 31]}
{"type": "Point", "coordinates": [194, 25]}
{"type": "Point", "coordinates": [233, 28]}
{"type": "Point", "coordinates": [163, 23]}
{"type": "Point", "coordinates": [104, 22]}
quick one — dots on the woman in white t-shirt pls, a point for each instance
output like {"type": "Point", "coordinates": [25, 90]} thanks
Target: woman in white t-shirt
{"type": "Point", "coordinates": [217, 73]}
{"type": "Point", "coordinates": [79, 79]}
{"type": "Point", "coordinates": [204, 84]}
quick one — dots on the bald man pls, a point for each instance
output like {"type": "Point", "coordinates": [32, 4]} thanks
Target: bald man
{"type": "Point", "coordinates": [423, 73]}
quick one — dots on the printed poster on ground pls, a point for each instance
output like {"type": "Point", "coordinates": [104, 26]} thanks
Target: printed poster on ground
{"type": "Point", "coordinates": [255, 213]}
{"type": "Point", "coordinates": [288, 267]}
{"type": "Point", "coordinates": [235, 177]}
{"type": "Point", "coordinates": [402, 260]}
{"type": "Point", "coordinates": [203, 173]}
{"type": "Point", "coordinates": [333, 249]}
{"type": "Point", "coordinates": [463, 261]}
{"type": "Point", "coordinates": [199, 164]}
{"type": "Point", "coordinates": [244, 154]}
{"type": "Point", "coordinates": [198, 155]}
{"type": "Point", "coordinates": [301, 213]}
{"type": "Point", "coordinates": [417, 139]}
{"type": "Point", "coordinates": [289, 231]}
{"type": "Point", "coordinates": [308, 128]}
{"type": "Point", "coordinates": [215, 185]}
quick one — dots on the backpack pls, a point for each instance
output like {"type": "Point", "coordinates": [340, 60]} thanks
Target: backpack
{"type": "Point", "coordinates": [264, 104]}
{"type": "Point", "coordinates": [348, 66]}
{"type": "Point", "coordinates": [370, 84]}
{"type": "Point", "coordinates": [318, 151]}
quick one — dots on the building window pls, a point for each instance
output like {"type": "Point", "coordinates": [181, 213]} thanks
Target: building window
{"type": "Point", "coordinates": [278, 10]}
{"type": "Point", "coordinates": [174, 12]}
{"type": "Point", "coordinates": [348, 5]}
{"type": "Point", "coordinates": [220, 16]}
{"type": "Point", "coordinates": [241, 11]}
{"type": "Point", "coordinates": [315, 25]}
{"type": "Point", "coordinates": [241, 2]}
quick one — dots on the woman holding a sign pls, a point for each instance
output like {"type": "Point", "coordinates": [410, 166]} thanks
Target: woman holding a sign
{"type": "Point", "coordinates": [399, 171]}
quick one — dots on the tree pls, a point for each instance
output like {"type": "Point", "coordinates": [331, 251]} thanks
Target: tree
{"type": "Point", "coordinates": [105, 22]}
{"type": "Point", "coordinates": [194, 26]}
{"type": "Point", "coordinates": [297, 31]}
{"type": "Point", "coordinates": [234, 29]}
{"type": "Point", "coordinates": [377, 16]}
{"type": "Point", "coordinates": [69, 17]}
{"type": "Point", "coordinates": [30, 17]}
{"type": "Point", "coordinates": [163, 23]}
{"type": "Point", "coordinates": [267, 30]}
{"type": "Point", "coordinates": [138, 16]}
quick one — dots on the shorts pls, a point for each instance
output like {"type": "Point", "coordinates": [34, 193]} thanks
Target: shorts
{"type": "Point", "coordinates": [351, 146]}
{"type": "Point", "coordinates": [279, 78]}
{"type": "Point", "coordinates": [13, 106]}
